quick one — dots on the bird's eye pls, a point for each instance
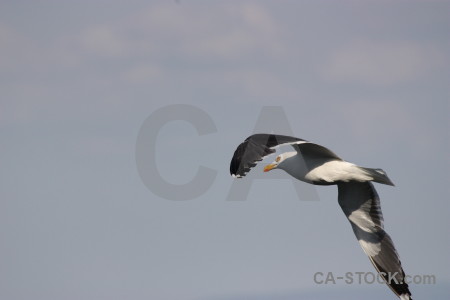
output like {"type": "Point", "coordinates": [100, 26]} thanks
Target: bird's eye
{"type": "Point", "coordinates": [278, 159]}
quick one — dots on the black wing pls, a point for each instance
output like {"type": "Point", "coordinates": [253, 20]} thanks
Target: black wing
{"type": "Point", "coordinates": [258, 146]}
{"type": "Point", "coordinates": [313, 151]}
{"type": "Point", "coordinates": [254, 149]}
{"type": "Point", "coordinates": [361, 205]}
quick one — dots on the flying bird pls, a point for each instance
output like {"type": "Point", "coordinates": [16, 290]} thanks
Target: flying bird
{"type": "Point", "coordinates": [315, 164]}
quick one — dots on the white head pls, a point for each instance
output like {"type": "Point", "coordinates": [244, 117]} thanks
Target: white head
{"type": "Point", "coordinates": [280, 161]}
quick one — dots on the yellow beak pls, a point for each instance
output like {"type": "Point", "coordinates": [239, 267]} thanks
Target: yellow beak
{"type": "Point", "coordinates": [269, 167]}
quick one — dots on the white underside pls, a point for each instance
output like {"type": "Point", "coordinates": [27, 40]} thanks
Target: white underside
{"type": "Point", "coordinates": [333, 171]}
{"type": "Point", "coordinates": [323, 171]}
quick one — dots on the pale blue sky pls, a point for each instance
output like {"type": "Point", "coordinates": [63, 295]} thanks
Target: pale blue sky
{"type": "Point", "coordinates": [368, 79]}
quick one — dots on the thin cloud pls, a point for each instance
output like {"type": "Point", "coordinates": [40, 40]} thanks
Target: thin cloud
{"type": "Point", "coordinates": [102, 41]}
{"type": "Point", "coordinates": [380, 63]}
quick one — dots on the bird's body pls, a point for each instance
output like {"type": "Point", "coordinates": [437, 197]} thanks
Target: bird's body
{"type": "Point", "coordinates": [357, 196]}
{"type": "Point", "coordinates": [323, 171]}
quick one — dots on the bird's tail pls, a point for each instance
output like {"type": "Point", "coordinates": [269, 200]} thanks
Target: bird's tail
{"type": "Point", "coordinates": [378, 175]}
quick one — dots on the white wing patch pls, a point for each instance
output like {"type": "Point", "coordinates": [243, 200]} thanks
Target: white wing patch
{"type": "Point", "coordinates": [405, 297]}
{"type": "Point", "coordinates": [371, 249]}
{"type": "Point", "coordinates": [362, 220]}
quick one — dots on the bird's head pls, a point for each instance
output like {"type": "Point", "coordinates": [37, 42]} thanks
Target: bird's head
{"type": "Point", "coordinates": [279, 161]}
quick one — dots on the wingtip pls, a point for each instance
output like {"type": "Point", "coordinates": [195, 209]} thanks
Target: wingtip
{"type": "Point", "coordinates": [389, 181]}
{"type": "Point", "coordinates": [405, 297]}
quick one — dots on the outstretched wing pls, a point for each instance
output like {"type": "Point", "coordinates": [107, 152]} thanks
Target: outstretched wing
{"type": "Point", "coordinates": [361, 205]}
{"type": "Point", "coordinates": [256, 147]}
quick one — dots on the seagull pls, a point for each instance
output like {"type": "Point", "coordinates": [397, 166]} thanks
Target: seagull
{"type": "Point", "coordinates": [315, 164]}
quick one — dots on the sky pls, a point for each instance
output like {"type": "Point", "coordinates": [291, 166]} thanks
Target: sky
{"type": "Point", "coordinates": [97, 95]}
